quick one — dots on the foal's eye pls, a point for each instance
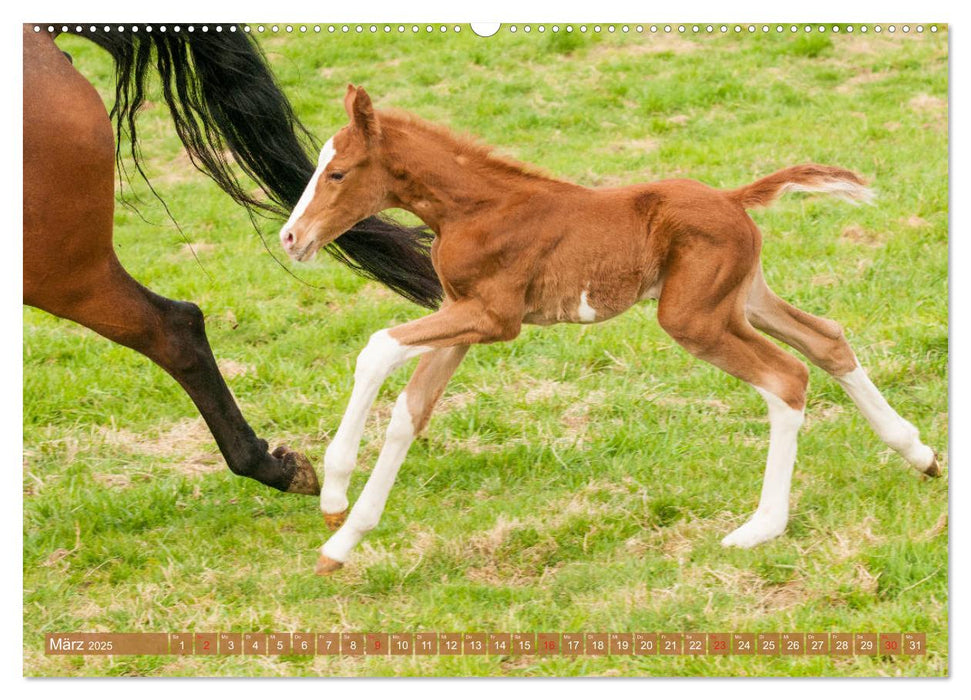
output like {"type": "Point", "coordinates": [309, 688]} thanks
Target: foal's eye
{"type": "Point", "coordinates": [336, 177]}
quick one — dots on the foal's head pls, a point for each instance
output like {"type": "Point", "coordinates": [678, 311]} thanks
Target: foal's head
{"type": "Point", "coordinates": [349, 185]}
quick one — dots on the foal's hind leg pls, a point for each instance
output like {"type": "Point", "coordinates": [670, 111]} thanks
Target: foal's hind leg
{"type": "Point", "coordinates": [822, 341]}
{"type": "Point", "coordinates": [708, 320]}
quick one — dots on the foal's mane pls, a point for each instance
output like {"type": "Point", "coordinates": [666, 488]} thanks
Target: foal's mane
{"type": "Point", "coordinates": [465, 145]}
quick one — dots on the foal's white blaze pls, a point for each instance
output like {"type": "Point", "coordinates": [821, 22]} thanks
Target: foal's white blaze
{"type": "Point", "coordinates": [381, 356]}
{"type": "Point", "coordinates": [586, 312]}
{"type": "Point", "coordinates": [327, 154]}
{"type": "Point", "coordinates": [370, 504]}
{"type": "Point", "coordinates": [886, 422]}
{"type": "Point", "coordinates": [773, 512]}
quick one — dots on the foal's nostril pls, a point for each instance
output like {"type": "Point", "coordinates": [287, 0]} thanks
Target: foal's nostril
{"type": "Point", "coordinates": [288, 239]}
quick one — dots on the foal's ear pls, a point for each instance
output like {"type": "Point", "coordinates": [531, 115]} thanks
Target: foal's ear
{"type": "Point", "coordinates": [349, 100]}
{"type": "Point", "coordinates": [358, 105]}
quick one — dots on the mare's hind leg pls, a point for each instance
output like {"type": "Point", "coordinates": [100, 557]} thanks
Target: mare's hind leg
{"type": "Point", "coordinates": [70, 268]}
{"type": "Point", "coordinates": [822, 341]}
{"type": "Point", "coordinates": [172, 334]}
{"type": "Point", "coordinates": [708, 320]}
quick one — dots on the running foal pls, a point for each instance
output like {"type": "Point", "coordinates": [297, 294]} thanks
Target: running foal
{"type": "Point", "coordinates": [514, 246]}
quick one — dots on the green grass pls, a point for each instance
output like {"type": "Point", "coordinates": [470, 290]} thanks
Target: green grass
{"type": "Point", "coordinates": [577, 479]}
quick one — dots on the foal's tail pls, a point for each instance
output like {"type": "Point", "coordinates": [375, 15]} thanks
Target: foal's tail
{"type": "Point", "coordinates": [228, 109]}
{"type": "Point", "coordinates": [803, 178]}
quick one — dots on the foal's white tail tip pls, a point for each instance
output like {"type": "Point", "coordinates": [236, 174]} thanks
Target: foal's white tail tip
{"type": "Point", "coordinates": [865, 196]}
{"type": "Point", "coordinates": [851, 192]}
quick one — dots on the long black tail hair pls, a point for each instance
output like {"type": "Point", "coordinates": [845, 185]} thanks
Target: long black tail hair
{"type": "Point", "coordinates": [224, 100]}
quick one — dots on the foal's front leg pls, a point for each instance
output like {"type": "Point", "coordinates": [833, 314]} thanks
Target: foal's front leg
{"type": "Point", "coordinates": [411, 413]}
{"type": "Point", "coordinates": [382, 355]}
{"type": "Point", "coordinates": [455, 325]}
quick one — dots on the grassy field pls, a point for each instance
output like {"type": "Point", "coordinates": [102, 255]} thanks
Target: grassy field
{"type": "Point", "coordinates": [577, 479]}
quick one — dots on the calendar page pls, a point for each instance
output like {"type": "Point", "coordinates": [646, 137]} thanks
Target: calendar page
{"type": "Point", "coordinates": [485, 350]}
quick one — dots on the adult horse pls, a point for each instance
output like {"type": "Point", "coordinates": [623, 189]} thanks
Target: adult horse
{"type": "Point", "coordinates": [227, 109]}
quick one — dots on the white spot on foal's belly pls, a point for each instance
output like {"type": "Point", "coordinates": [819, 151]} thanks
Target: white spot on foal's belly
{"type": "Point", "coordinates": [586, 312]}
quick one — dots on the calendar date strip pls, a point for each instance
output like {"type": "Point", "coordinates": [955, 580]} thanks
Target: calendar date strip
{"type": "Point", "coordinates": [489, 643]}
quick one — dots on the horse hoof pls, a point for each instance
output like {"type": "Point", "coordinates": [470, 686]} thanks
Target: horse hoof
{"type": "Point", "coordinates": [935, 468]}
{"type": "Point", "coordinates": [304, 478]}
{"type": "Point", "coordinates": [335, 520]}
{"type": "Point", "coordinates": [327, 566]}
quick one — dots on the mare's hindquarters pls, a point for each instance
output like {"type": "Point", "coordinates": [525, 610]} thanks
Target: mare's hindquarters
{"type": "Point", "coordinates": [70, 267]}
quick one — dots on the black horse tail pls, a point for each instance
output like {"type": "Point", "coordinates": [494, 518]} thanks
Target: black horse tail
{"type": "Point", "coordinates": [228, 108]}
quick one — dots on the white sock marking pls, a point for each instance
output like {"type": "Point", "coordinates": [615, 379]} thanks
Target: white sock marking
{"type": "Point", "coordinates": [586, 312]}
{"type": "Point", "coordinates": [382, 355]}
{"type": "Point", "coordinates": [886, 422]}
{"type": "Point", "coordinates": [771, 516]}
{"type": "Point", "coordinates": [366, 513]}
{"type": "Point", "coordinates": [327, 154]}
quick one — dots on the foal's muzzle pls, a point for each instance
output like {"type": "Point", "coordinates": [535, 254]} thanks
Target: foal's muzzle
{"type": "Point", "coordinates": [297, 251]}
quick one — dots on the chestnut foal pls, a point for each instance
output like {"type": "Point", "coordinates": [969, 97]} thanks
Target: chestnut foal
{"type": "Point", "coordinates": [514, 246]}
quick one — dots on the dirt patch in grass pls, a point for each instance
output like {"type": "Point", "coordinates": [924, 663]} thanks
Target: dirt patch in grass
{"type": "Point", "coordinates": [754, 595]}
{"type": "Point", "coordinates": [674, 401]}
{"type": "Point", "coordinates": [864, 580]}
{"type": "Point", "coordinates": [642, 145]}
{"type": "Point", "coordinates": [576, 419]}
{"type": "Point", "coordinates": [847, 542]}
{"type": "Point", "coordinates": [939, 528]}
{"type": "Point", "coordinates": [871, 44]}
{"type": "Point", "coordinates": [487, 542]}
{"type": "Point", "coordinates": [648, 44]}
{"type": "Point", "coordinates": [189, 441]}
{"type": "Point", "coordinates": [456, 402]}
{"type": "Point", "coordinates": [861, 236]}
{"type": "Point", "coordinates": [594, 179]}
{"type": "Point", "coordinates": [677, 540]}
{"type": "Point", "coordinates": [175, 172]}
{"type": "Point", "coordinates": [544, 389]}
{"type": "Point", "coordinates": [932, 109]}
{"type": "Point", "coordinates": [823, 412]}
{"type": "Point", "coordinates": [861, 79]}
{"type": "Point", "coordinates": [825, 279]}
{"type": "Point", "coordinates": [194, 249]}
{"type": "Point", "coordinates": [231, 368]}
{"type": "Point", "coordinates": [497, 567]}
{"type": "Point", "coordinates": [476, 444]}
{"type": "Point", "coordinates": [59, 556]}
{"type": "Point", "coordinates": [112, 481]}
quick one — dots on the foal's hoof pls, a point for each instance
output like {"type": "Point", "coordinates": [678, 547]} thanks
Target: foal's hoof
{"type": "Point", "coordinates": [327, 566]}
{"type": "Point", "coordinates": [335, 520]}
{"type": "Point", "coordinates": [935, 468]}
{"type": "Point", "coordinates": [304, 478]}
{"type": "Point", "coordinates": [756, 531]}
